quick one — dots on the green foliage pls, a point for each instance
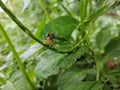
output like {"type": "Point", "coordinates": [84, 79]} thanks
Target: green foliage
{"type": "Point", "coordinates": [87, 60]}
{"type": "Point", "coordinates": [48, 65]}
{"type": "Point", "coordinates": [113, 48]}
{"type": "Point", "coordinates": [2, 80]}
{"type": "Point", "coordinates": [73, 79]}
{"type": "Point", "coordinates": [61, 26]}
{"type": "Point", "coordinates": [90, 85]}
{"type": "Point", "coordinates": [19, 80]}
{"type": "Point", "coordinates": [50, 62]}
{"type": "Point", "coordinates": [103, 38]}
{"type": "Point", "coordinates": [8, 86]}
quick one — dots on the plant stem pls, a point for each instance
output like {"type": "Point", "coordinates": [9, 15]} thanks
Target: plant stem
{"type": "Point", "coordinates": [97, 67]}
{"type": "Point", "coordinates": [97, 73]}
{"type": "Point", "coordinates": [46, 13]}
{"type": "Point", "coordinates": [43, 7]}
{"type": "Point", "coordinates": [16, 56]}
{"type": "Point", "coordinates": [25, 29]}
{"type": "Point", "coordinates": [66, 10]}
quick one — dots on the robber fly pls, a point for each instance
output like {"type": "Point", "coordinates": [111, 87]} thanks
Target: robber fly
{"type": "Point", "coordinates": [50, 39]}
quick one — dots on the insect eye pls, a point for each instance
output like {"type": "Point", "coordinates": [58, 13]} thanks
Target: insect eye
{"type": "Point", "coordinates": [48, 35]}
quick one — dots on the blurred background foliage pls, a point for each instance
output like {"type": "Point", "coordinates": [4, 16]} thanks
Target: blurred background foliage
{"type": "Point", "coordinates": [32, 14]}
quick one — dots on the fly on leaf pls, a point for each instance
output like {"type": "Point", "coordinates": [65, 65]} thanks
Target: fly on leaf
{"type": "Point", "coordinates": [50, 39]}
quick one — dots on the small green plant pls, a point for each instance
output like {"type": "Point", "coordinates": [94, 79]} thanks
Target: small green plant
{"type": "Point", "coordinates": [86, 56]}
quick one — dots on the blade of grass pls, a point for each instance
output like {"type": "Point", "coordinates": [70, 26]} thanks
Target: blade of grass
{"type": "Point", "coordinates": [16, 56]}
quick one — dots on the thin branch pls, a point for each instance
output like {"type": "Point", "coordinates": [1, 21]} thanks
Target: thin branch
{"type": "Point", "coordinates": [25, 29]}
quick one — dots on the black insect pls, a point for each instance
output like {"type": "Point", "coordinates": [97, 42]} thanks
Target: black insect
{"type": "Point", "coordinates": [52, 36]}
{"type": "Point", "coordinates": [50, 39]}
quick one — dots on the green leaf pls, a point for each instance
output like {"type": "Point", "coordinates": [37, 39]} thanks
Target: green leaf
{"type": "Point", "coordinates": [19, 81]}
{"type": "Point", "coordinates": [113, 48]}
{"type": "Point", "coordinates": [51, 62]}
{"type": "Point", "coordinates": [74, 75]}
{"type": "Point", "coordinates": [9, 86]}
{"type": "Point", "coordinates": [113, 75]}
{"type": "Point", "coordinates": [103, 38]}
{"type": "Point", "coordinates": [112, 78]}
{"type": "Point", "coordinates": [70, 76]}
{"type": "Point", "coordinates": [64, 46]}
{"type": "Point", "coordinates": [61, 26]}
{"type": "Point", "coordinates": [48, 64]}
{"type": "Point", "coordinates": [88, 85]}
{"type": "Point", "coordinates": [107, 87]}
{"type": "Point", "coordinates": [75, 9]}
{"type": "Point", "coordinates": [2, 80]}
{"type": "Point", "coordinates": [71, 58]}
{"type": "Point", "coordinates": [30, 51]}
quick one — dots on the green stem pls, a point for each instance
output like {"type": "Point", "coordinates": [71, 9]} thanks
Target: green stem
{"type": "Point", "coordinates": [62, 5]}
{"type": "Point", "coordinates": [97, 73]}
{"type": "Point", "coordinates": [46, 13]}
{"type": "Point", "coordinates": [97, 68]}
{"type": "Point", "coordinates": [66, 10]}
{"type": "Point", "coordinates": [105, 2]}
{"type": "Point", "coordinates": [16, 56]}
{"type": "Point", "coordinates": [83, 9]}
{"type": "Point", "coordinates": [43, 7]}
{"type": "Point", "coordinates": [25, 29]}
{"type": "Point", "coordinates": [90, 7]}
